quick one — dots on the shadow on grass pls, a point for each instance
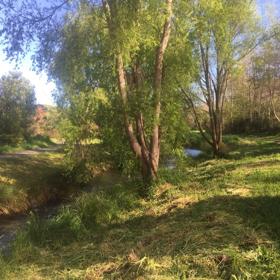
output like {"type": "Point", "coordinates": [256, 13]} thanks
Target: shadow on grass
{"type": "Point", "coordinates": [202, 229]}
{"type": "Point", "coordinates": [228, 216]}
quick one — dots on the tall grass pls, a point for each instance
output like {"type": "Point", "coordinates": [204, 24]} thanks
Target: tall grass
{"type": "Point", "coordinates": [89, 214]}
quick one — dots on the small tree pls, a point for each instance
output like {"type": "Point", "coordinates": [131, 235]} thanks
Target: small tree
{"type": "Point", "coordinates": [224, 32]}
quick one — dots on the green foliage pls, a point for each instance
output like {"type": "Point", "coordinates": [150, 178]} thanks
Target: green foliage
{"type": "Point", "coordinates": [17, 105]}
{"type": "Point", "coordinates": [79, 129]}
{"type": "Point", "coordinates": [230, 36]}
{"type": "Point", "coordinates": [85, 65]}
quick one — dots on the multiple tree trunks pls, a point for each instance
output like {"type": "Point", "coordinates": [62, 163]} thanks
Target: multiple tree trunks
{"type": "Point", "coordinates": [146, 150]}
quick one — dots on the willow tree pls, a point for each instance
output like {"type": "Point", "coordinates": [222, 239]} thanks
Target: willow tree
{"type": "Point", "coordinates": [126, 43]}
{"type": "Point", "coordinates": [133, 80]}
{"type": "Point", "coordinates": [224, 32]}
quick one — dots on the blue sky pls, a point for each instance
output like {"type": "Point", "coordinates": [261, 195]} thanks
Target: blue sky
{"type": "Point", "coordinates": [268, 8]}
{"type": "Point", "coordinates": [44, 88]}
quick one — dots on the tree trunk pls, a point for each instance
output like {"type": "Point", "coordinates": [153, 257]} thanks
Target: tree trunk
{"type": "Point", "coordinates": [147, 153]}
{"type": "Point", "coordinates": [155, 139]}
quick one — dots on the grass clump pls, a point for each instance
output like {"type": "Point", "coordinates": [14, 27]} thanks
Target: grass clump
{"type": "Point", "coordinates": [88, 215]}
{"type": "Point", "coordinates": [104, 208]}
{"type": "Point", "coordinates": [63, 228]}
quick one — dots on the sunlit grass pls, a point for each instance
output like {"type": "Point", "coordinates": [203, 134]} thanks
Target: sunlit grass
{"type": "Point", "coordinates": [28, 181]}
{"type": "Point", "coordinates": [208, 219]}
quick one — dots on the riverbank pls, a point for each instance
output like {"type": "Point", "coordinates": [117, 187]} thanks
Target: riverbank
{"type": "Point", "coordinates": [208, 219]}
{"type": "Point", "coordinates": [31, 178]}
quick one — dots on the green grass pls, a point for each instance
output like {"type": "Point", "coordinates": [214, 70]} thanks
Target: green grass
{"type": "Point", "coordinates": [208, 219]}
{"type": "Point", "coordinates": [28, 181]}
{"type": "Point", "coordinates": [32, 143]}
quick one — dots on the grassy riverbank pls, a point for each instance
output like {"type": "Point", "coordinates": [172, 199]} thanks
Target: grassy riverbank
{"type": "Point", "coordinates": [208, 219]}
{"type": "Point", "coordinates": [29, 180]}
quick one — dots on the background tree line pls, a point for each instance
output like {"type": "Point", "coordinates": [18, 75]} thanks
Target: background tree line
{"type": "Point", "coordinates": [22, 121]}
{"type": "Point", "coordinates": [253, 96]}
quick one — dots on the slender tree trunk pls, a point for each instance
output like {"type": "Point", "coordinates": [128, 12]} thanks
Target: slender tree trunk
{"type": "Point", "coordinates": [155, 139]}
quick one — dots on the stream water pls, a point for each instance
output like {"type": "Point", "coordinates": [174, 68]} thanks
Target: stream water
{"type": "Point", "coordinates": [9, 225]}
{"type": "Point", "coordinates": [193, 152]}
{"type": "Point", "coordinates": [189, 152]}
{"type": "Point", "coordinates": [8, 229]}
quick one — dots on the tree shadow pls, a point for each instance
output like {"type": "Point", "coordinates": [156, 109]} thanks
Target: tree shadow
{"type": "Point", "coordinates": [225, 214]}
{"type": "Point", "coordinates": [210, 227]}
{"type": "Point", "coordinates": [260, 148]}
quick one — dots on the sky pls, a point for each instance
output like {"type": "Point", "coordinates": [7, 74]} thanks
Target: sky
{"type": "Point", "coordinates": [268, 8]}
{"type": "Point", "coordinates": [44, 88]}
